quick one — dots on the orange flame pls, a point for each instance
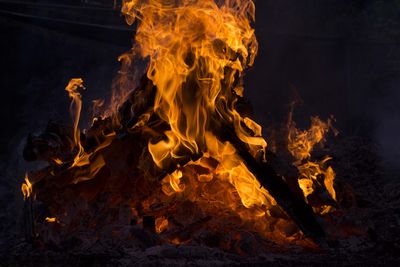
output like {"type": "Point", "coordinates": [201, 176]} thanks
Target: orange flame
{"type": "Point", "coordinates": [83, 158]}
{"type": "Point", "coordinates": [161, 224]}
{"type": "Point", "coordinates": [301, 145]}
{"type": "Point", "coordinates": [72, 88]}
{"type": "Point", "coordinates": [51, 220]}
{"type": "Point", "coordinates": [197, 52]}
{"type": "Point", "coordinates": [26, 187]}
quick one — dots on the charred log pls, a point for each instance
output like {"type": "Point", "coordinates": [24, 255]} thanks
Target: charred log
{"type": "Point", "coordinates": [293, 205]}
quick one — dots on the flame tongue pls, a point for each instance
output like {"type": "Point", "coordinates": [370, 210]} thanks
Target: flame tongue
{"type": "Point", "coordinates": [197, 53]}
{"type": "Point", "coordinates": [314, 175]}
{"type": "Point", "coordinates": [26, 187]}
{"type": "Point", "coordinates": [196, 50]}
{"type": "Point", "coordinates": [72, 88]}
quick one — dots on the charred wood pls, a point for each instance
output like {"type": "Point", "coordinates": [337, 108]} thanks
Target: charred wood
{"type": "Point", "coordinates": [29, 222]}
{"type": "Point", "coordinates": [294, 206]}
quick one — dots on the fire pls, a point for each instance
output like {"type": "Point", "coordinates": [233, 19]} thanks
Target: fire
{"type": "Point", "coordinates": [197, 52]}
{"type": "Point", "coordinates": [161, 224]}
{"type": "Point", "coordinates": [82, 157]}
{"type": "Point", "coordinates": [301, 143]}
{"type": "Point", "coordinates": [51, 220]}
{"type": "Point", "coordinates": [72, 88]}
{"type": "Point", "coordinates": [313, 174]}
{"type": "Point", "coordinates": [26, 187]}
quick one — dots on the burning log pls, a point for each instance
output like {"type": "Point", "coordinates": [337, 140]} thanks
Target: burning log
{"type": "Point", "coordinates": [295, 207]}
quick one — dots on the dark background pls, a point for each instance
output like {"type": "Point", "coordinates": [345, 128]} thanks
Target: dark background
{"type": "Point", "coordinates": [341, 56]}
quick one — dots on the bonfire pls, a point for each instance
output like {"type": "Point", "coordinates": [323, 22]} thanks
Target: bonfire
{"type": "Point", "coordinates": [176, 156]}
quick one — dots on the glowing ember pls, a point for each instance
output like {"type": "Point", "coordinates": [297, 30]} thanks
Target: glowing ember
{"type": "Point", "coordinates": [51, 220]}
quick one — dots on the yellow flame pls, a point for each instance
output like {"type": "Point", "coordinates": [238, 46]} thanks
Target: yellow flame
{"type": "Point", "coordinates": [58, 161]}
{"type": "Point", "coordinates": [83, 158]}
{"type": "Point", "coordinates": [232, 169]}
{"type": "Point", "coordinates": [51, 220]}
{"type": "Point", "coordinates": [301, 145]}
{"type": "Point", "coordinates": [190, 45]}
{"type": "Point", "coordinates": [72, 88]}
{"type": "Point", "coordinates": [197, 51]}
{"type": "Point", "coordinates": [172, 183]}
{"type": "Point", "coordinates": [161, 224]}
{"type": "Point", "coordinates": [26, 187]}
{"type": "Point", "coordinates": [310, 172]}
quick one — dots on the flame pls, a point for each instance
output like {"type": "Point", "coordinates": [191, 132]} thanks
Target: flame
{"type": "Point", "coordinates": [161, 224]}
{"type": "Point", "coordinates": [72, 88]}
{"type": "Point", "coordinates": [197, 52]}
{"type": "Point", "coordinates": [51, 220]}
{"type": "Point", "coordinates": [301, 143]}
{"type": "Point", "coordinates": [58, 161]}
{"type": "Point", "coordinates": [26, 188]}
{"type": "Point", "coordinates": [172, 183]}
{"type": "Point", "coordinates": [190, 46]}
{"type": "Point", "coordinates": [313, 174]}
{"type": "Point", "coordinates": [83, 158]}
{"type": "Point", "coordinates": [310, 171]}
{"type": "Point", "coordinates": [232, 169]}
